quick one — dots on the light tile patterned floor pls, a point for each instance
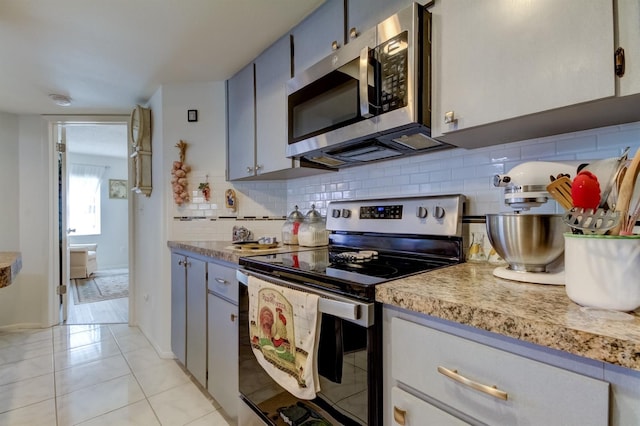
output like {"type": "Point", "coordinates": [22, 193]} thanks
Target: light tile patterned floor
{"type": "Point", "coordinates": [95, 375]}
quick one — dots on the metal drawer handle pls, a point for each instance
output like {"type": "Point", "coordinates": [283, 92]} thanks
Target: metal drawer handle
{"type": "Point", "coordinates": [490, 390]}
{"type": "Point", "coordinates": [399, 415]}
{"type": "Point", "coordinates": [221, 280]}
{"type": "Point", "coordinates": [233, 317]}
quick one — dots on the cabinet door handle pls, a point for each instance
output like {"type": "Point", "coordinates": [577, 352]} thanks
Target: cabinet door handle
{"type": "Point", "coordinates": [490, 390]}
{"type": "Point", "coordinates": [233, 317]}
{"type": "Point", "coordinates": [221, 281]}
{"type": "Point", "coordinates": [249, 169]}
{"type": "Point", "coordinates": [399, 415]}
{"type": "Point", "coordinates": [180, 263]}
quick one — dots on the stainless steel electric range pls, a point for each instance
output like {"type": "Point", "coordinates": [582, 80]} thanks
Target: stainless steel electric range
{"type": "Point", "coordinates": [371, 241]}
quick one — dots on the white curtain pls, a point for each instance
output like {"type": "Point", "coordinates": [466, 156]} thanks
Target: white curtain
{"type": "Point", "coordinates": [84, 198]}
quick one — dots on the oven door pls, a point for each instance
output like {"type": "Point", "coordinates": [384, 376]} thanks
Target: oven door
{"type": "Point", "coordinates": [349, 365]}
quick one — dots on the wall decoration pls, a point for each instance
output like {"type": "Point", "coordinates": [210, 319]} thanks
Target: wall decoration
{"type": "Point", "coordinates": [179, 172]}
{"type": "Point", "coordinates": [205, 189]}
{"type": "Point", "coordinates": [118, 189]}
{"type": "Point", "coordinates": [230, 200]}
{"type": "Point", "coordinates": [140, 139]}
{"type": "Point", "coordinates": [192, 115]}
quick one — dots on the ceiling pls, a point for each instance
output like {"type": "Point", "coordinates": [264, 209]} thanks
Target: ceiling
{"type": "Point", "coordinates": [109, 55]}
{"type": "Point", "coordinates": [103, 140]}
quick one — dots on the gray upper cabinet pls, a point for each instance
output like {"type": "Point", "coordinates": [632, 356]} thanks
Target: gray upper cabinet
{"type": "Point", "coordinates": [505, 71]}
{"type": "Point", "coordinates": [241, 124]}
{"type": "Point", "coordinates": [628, 35]}
{"type": "Point", "coordinates": [313, 37]}
{"type": "Point", "coordinates": [273, 69]}
{"type": "Point", "coordinates": [365, 14]}
{"type": "Point", "coordinates": [257, 119]}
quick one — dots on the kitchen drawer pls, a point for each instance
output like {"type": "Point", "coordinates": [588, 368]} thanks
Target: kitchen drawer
{"type": "Point", "coordinates": [411, 411]}
{"type": "Point", "coordinates": [536, 393]}
{"type": "Point", "coordinates": [222, 281]}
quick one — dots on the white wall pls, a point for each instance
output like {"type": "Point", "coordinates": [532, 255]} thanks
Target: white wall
{"type": "Point", "coordinates": [206, 154]}
{"type": "Point", "coordinates": [154, 215]}
{"type": "Point", "coordinates": [113, 241]}
{"type": "Point", "coordinates": [26, 302]}
{"type": "Point", "coordinates": [151, 289]}
{"type": "Point", "coordinates": [9, 176]}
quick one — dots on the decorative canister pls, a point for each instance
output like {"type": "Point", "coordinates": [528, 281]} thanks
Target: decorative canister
{"type": "Point", "coordinates": [313, 231]}
{"type": "Point", "coordinates": [601, 271]}
{"type": "Point", "coordinates": [291, 227]}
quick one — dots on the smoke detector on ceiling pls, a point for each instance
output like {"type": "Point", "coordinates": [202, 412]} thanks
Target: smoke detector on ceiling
{"type": "Point", "coordinates": [60, 100]}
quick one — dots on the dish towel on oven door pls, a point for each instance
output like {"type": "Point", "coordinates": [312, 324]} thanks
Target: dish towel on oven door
{"type": "Point", "coordinates": [284, 328]}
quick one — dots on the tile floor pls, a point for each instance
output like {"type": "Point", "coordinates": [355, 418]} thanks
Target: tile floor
{"type": "Point", "coordinates": [95, 375]}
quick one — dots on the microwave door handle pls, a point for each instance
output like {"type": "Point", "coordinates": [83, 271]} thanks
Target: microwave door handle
{"type": "Point", "coordinates": [364, 83]}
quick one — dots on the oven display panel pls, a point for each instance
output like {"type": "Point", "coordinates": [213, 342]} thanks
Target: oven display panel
{"type": "Point", "coordinates": [381, 212]}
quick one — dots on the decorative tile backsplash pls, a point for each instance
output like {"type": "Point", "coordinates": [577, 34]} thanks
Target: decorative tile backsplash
{"type": "Point", "coordinates": [468, 172]}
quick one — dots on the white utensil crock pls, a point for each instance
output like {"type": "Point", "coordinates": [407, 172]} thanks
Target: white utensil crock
{"type": "Point", "coordinates": [603, 271]}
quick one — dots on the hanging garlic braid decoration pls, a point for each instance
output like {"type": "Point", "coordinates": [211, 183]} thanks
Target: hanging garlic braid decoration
{"type": "Point", "coordinates": [179, 172]}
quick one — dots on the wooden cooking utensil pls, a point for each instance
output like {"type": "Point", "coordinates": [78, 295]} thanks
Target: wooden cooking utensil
{"type": "Point", "coordinates": [560, 190]}
{"type": "Point", "coordinates": [626, 192]}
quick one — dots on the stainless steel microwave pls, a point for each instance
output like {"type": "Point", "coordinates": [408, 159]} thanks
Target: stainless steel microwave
{"type": "Point", "coordinates": [369, 100]}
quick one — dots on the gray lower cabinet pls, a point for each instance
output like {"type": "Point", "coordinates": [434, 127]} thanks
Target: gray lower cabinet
{"type": "Point", "coordinates": [189, 313]}
{"type": "Point", "coordinates": [179, 308]}
{"type": "Point", "coordinates": [223, 337]}
{"type": "Point", "coordinates": [196, 319]}
{"type": "Point", "coordinates": [440, 373]}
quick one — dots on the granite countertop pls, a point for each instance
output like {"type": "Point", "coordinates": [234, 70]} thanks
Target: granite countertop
{"type": "Point", "coordinates": [10, 265]}
{"type": "Point", "coordinates": [224, 250]}
{"type": "Point", "coordinates": [469, 294]}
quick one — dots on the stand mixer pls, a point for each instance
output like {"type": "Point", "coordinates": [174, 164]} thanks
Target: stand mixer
{"type": "Point", "coordinates": [532, 244]}
{"type": "Point", "coordinates": [525, 186]}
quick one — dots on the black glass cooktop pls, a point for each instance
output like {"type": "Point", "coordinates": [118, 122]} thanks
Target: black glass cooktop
{"type": "Point", "coordinates": [346, 271]}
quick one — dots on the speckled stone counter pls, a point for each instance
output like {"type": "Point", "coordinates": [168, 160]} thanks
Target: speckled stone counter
{"type": "Point", "coordinates": [224, 250]}
{"type": "Point", "coordinates": [542, 314]}
{"type": "Point", "coordinates": [10, 265]}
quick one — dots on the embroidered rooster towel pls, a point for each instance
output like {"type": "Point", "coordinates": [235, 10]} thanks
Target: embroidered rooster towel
{"type": "Point", "coordinates": [284, 328]}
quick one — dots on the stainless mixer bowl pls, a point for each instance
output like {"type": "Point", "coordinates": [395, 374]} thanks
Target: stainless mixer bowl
{"type": "Point", "coordinates": [527, 242]}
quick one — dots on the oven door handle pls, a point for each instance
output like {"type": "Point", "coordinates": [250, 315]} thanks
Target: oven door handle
{"type": "Point", "coordinates": [332, 304]}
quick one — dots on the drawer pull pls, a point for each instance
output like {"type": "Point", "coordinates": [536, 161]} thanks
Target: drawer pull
{"type": "Point", "coordinates": [491, 390]}
{"type": "Point", "coordinates": [221, 281]}
{"type": "Point", "coordinates": [399, 415]}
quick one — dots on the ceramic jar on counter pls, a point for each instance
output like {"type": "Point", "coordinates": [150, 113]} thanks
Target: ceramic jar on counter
{"type": "Point", "coordinates": [291, 227]}
{"type": "Point", "coordinates": [313, 230]}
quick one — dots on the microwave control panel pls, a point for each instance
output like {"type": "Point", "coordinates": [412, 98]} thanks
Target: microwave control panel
{"type": "Point", "coordinates": [392, 56]}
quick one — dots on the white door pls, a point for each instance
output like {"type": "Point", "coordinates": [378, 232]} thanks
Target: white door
{"type": "Point", "coordinates": [63, 188]}
{"type": "Point", "coordinates": [101, 147]}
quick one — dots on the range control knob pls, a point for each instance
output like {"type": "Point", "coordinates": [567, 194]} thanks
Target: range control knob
{"type": "Point", "coordinates": [438, 212]}
{"type": "Point", "coordinates": [421, 212]}
{"type": "Point", "coordinates": [346, 213]}
{"type": "Point", "coordinates": [335, 212]}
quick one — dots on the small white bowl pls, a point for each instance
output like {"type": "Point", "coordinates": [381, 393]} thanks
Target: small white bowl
{"type": "Point", "coordinates": [603, 271]}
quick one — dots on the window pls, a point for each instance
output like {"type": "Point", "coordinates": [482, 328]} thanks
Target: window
{"type": "Point", "coordinates": [84, 198]}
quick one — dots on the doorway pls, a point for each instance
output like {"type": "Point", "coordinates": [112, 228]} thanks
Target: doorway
{"type": "Point", "coordinates": [94, 222]}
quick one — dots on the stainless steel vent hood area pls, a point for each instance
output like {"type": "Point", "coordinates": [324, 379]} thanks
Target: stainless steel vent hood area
{"type": "Point", "coordinates": [376, 148]}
